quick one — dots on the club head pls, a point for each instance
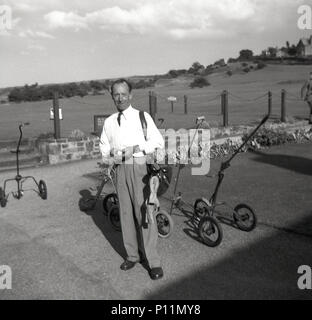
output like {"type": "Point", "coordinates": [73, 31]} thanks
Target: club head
{"type": "Point", "coordinates": [200, 119]}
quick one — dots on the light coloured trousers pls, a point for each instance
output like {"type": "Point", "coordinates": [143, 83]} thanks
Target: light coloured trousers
{"type": "Point", "coordinates": [133, 189]}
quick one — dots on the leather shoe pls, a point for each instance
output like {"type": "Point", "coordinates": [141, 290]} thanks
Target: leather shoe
{"type": "Point", "coordinates": [127, 265]}
{"type": "Point", "coordinates": [156, 273]}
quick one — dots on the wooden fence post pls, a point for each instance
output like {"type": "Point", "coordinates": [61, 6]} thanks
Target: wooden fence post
{"type": "Point", "coordinates": [222, 103]}
{"type": "Point", "coordinates": [185, 104]}
{"type": "Point", "coordinates": [57, 122]}
{"type": "Point", "coordinates": [225, 109]}
{"type": "Point", "coordinates": [283, 106]}
{"type": "Point", "coordinates": [270, 102]}
{"type": "Point", "coordinates": [152, 105]}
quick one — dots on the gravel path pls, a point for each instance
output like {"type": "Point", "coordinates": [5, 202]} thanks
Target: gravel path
{"type": "Point", "coordinates": [57, 251]}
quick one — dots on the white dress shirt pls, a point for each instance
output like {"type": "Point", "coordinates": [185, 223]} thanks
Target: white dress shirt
{"type": "Point", "coordinates": [129, 133]}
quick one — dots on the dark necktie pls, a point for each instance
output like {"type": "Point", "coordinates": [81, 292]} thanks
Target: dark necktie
{"type": "Point", "coordinates": [119, 118]}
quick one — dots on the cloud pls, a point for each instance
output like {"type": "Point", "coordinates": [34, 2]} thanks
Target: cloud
{"type": "Point", "coordinates": [33, 6]}
{"type": "Point", "coordinates": [36, 47]}
{"type": "Point", "coordinates": [71, 20]}
{"type": "Point", "coordinates": [176, 18]}
{"type": "Point", "coordinates": [33, 47]}
{"type": "Point", "coordinates": [35, 34]}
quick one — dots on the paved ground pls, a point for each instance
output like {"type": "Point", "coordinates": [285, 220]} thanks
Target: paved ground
{"type": "Point", "coordinates": [57, 251]}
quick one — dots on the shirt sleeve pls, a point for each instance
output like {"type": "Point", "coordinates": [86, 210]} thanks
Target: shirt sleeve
{"type": "Point", "coordinates": [154, 139]}
{"type": "Point", "coordinates": [105, 146]}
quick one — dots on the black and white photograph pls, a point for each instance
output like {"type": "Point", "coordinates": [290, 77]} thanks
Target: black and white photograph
{"type": "Point", "coordinates": [155, 154]}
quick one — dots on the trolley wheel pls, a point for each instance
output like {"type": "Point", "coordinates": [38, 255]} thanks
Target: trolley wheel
{"type": "Point", "coordinates": [201, 209]}
{"type": "Point", "coordinates": [3, 199]}
{"type": "Point", "coordinates": [43, 191]}
{"type": "Point", "coordinates": [164, 223]}
{"type": "Point", "coordinates": [109, 200]}
{"type": "Point", "coordinates": [210, 231]}
{"type": "Point", "coordinates": [244, 217]}
{"type": "Point", "coordinates": [114, 217]}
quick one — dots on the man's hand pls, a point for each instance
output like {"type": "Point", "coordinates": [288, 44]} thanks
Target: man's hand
{"type": "Point", "coordinates": [129, 151]}
{"type": "Point", "coordinates": [108, 162]}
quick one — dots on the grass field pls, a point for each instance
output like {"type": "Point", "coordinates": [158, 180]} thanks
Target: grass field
{"type": "Point", "coordinates": [247, 103]}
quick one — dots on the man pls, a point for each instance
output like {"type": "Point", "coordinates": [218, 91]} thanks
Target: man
{"type": "Point", "coordinates": [123, 143]}
{"type": "Point", "coordinates": [306, 94]}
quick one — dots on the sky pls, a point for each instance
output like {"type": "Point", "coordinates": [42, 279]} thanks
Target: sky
{"type": "Point", "coordinates": [53, 41]}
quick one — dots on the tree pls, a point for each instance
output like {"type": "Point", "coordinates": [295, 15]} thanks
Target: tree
{"type": "Point", "coordinates": [196, 68]}
{"type": "Point", "coordinates": [272, 52]}
{"type": "Point", "coordinates": [292, 51]}
{"type": "Point", "coordinates": [173, 73]}
{"type": "Point", "coordinates": [245, 54]}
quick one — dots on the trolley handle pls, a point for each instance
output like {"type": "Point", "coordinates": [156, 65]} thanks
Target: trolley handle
{"type": "Point", "coordinates": [23, 124]}
{"type": "Point", "coordinates": [226, 164]}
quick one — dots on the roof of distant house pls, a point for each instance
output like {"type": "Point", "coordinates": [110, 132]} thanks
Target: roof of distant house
{"type": "Point", "coordinates": [306, 41]}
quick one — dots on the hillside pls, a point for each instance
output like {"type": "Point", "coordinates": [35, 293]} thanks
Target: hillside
{"type": "Point", "coordinates": [248, 102]}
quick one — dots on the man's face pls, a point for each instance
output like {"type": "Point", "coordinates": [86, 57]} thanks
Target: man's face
{"type": "Point", "coordinates": [121, 96]}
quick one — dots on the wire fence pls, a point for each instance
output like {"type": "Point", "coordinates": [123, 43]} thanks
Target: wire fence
{"type": "Point", "coordinates": [87, 103]}
{"type": "Point", "coordinates": [278, 103]}
{"type": "Point", "coordinates": [223, 108]}
{"type": "Point", "coordinates": [247, 99]}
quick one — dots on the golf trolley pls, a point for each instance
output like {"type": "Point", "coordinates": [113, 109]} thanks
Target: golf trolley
{"type": "Point", "coordinates": [110, 204]}
{"type": "Point", "coordinates": [209, 228]}
{"type": "Point", "coordinates": [204, 210]}
{"type": "Point", "coordinates": [165, 223]}
{"type": "Point", "coordinates": [20, 180]}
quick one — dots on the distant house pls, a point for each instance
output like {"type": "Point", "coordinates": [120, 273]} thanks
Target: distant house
{"type": "Point", "coordinates": [304, 47]}
{"type": "Point", "coordinates": [282, 53]}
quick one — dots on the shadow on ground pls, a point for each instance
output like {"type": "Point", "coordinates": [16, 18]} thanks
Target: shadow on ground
{"type": "Point", "coordinates": [101, 221]}
{"type": "Point", "coordinates": [292, 163]}
{"type": "Point", "coordinates": [264, 270]}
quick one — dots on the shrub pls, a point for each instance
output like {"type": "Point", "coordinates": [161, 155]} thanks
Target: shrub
{"type": "Point", "coordinates": [261, 65]}
{"type": "Point", "coordinates": [77, 134]}
{"type": "Point", "coordinates": [231, 60]}
{"type": "Point", "coordinates": [267, 137]}
{"type": "Point", "coordinates": [200, 82]}
{"type": "Point", "coordinates": [246, 69]}
{"type": "Point", "coordinates": [220, 63]}
{"type": "Point", "coordinates": [229, 73]}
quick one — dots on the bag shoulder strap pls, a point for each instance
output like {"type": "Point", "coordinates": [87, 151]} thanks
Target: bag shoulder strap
{"type": "Point", "coordinates": [143, 123]}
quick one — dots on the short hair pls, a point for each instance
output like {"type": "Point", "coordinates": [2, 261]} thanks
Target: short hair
{"type": "Point", "coordinates": [121, 81]}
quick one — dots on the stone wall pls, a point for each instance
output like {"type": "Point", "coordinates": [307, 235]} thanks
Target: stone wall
{"type": "Point", "coordinates": [65, 150]}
